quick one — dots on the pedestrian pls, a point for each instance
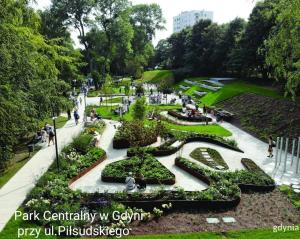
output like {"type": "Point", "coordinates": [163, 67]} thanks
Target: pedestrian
{"type": "Point", "coordinates": [80, 99]}
{"type": "Point", "coordinates": [142, 183]}
{"type": "Point", "coordinates": [130, 182]}
{"type": "Point", "coordinates": [51, 136]}
{"type": "Point", "coordinates": [204, 110]}
{"type": "Point", "coordinates": [69, 114]}
{"type": "Point", "coordinates": [271, 144]}
{"type": "Point", "coordinates": [76, 117]}
{"type": "Point", "coordinates": [101, 100]}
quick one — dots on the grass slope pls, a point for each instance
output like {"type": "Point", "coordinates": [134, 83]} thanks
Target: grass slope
{"type": "Point", "coordinates": [157, 76]}
{"type": "Point", "coordinates": [238, 87]}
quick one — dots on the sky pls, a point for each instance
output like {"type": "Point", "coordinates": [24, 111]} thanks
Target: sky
{"type": "Point", "coordinates": [224, 11]}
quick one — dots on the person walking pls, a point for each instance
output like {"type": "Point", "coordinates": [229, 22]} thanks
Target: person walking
{"type": "Point", "coordinates": [271, 144]}
{"type": "Point", "coordinates": [69, 114]}
{"type": "Point", "coordinates": [76, 117]}
{"type": "Point", "coordinates": [51, 136]}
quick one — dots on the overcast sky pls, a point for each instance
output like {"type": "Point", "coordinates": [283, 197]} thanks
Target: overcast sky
{"type": "Point", "coordinates": [224, 10]}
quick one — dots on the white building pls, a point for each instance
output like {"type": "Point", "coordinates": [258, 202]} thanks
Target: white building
{"type": "Point", "coordinates": [190, 18]}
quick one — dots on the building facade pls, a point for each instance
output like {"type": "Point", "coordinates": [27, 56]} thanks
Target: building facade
{"type": "Point", "coordinates": [190, 18]}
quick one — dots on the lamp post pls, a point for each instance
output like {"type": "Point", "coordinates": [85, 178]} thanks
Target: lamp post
{"type": "Point", "coordinates": [85, 93]}
{"type": "Point", "coordinates": [56, 148]}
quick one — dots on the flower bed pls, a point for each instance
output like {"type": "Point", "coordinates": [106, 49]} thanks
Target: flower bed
{"type": "Point", "coordinates": [53, 187]}
{"type": "Point", "coordinates": [190, 119]}
{"type": "Point", "coordinates": [153, 171]}
{"type": "Point", "coordinates": [197, 154]}
{"type": "Point", "coordinates": [246, 180]}
{"type": "Point", "coordinates": [266, 182]}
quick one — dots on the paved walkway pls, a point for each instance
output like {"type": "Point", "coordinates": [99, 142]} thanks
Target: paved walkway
{"type": "Point", "coordinates": [14, 192]}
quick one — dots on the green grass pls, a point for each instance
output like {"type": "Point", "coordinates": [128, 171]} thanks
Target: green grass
{"type": "Point", "coordinates": [114, 100]}
{"type": "Point", "coordinates": [156, 76]}
{"type": "Point", "coordinates": [21, 157]}
{"type": "Point", "coordinates": [294, 197]}
{"type": "Point", "coordinates": [201, 129]}
{"type": "Point", "coordinates": [238, 87]}
{"type": "Point", "coordinates": [106, 113]}
{"type": "Point", "coordinates": [60, 122]}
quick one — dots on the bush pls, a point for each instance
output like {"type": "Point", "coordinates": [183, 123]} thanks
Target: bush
{"type": "Point", "coordinates": [82, 143]}
{"type": "Point", "coordinates": [136, 134]}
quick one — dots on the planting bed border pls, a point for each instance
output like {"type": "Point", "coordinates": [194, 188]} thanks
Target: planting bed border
{"type": "Point", "coordinates": [184, 204]}
{"type": "Point", "coordinates": [190, 119]}
{"type": "Point", "coordinates": [167, 152]}
{"type": "Point", "coordinates": [88, 169]}
{"type": "Point", "coordinates": [252, 187]}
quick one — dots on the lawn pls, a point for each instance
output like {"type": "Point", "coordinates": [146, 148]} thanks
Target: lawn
{"type": "Point", "coordinates": [114, 100]}
{"type": "Point", "coordinates": [60, 122]}
{"type": "Point", "coordinates": [156, 76]}
{"type": "Point", "coordinates": [106, 113]}
{"type": "Point", "coordinates": [21, 155]}
{"type": "Point", "coordinates": [201, 129]}
{"type": "Point", "coordinates": [235, 88]}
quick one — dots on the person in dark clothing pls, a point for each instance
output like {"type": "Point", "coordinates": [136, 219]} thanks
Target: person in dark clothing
{"type": "Point", "coordinates": [142, 183]}
{"type": "Point", "coordinates": [69, 114]}
{"type": "Point", "coordinates": [271, 144]}
{"type": "Point", "coordinates": [76, 117]}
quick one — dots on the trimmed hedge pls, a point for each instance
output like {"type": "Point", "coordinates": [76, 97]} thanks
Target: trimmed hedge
{"type": "Point", "coordinates": [191, 119]}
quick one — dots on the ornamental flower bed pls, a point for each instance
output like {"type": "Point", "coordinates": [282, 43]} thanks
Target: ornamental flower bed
{"type": "Point", "coordinates": [245, 180]}
{"type": "Point", "coordinates": [153, 171]}
{"type": "Point", "coordinates": [179, 116]}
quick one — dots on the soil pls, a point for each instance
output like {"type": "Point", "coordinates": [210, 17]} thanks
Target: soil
{"type": "Point", "coordinates": [262, 116]}
{"type": "Point", "coordinates": [254, 211]}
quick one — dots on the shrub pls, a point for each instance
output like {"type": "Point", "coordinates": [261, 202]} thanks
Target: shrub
{"type": "Point", "coordinates": [82, 143]}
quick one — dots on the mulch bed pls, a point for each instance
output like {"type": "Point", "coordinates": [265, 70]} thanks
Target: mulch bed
{"type": "Point", "coordinates": [254, 211]}
{"type": "Point", "coordinates": [262, 116]}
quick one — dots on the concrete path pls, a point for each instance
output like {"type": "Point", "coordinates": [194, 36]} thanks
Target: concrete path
{"type": "Point", "coordinates": [257, 150]}
{"type": "Point", "coordinates": [14, 192]}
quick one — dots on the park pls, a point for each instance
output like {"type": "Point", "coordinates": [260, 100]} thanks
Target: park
{"type": "Point", "coordinates": [198, 137]}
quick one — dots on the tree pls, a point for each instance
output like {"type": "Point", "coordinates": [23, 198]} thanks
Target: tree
{"type": "Point", "coordinates": [74, 13]}
{"type": "Point", "coordinates": [139, 109]}
{"type": "Point", "coordinates": [31, 85]}
{"type": "Point", "coordinates": [258, 29]}
{"type": "Point", "coordinates": [283, 46]}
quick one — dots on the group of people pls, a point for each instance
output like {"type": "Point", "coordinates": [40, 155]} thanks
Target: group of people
{"type": "Point", "coordinates": [131, 184]}
{"type": "Point", "coordinates": [47, 132]}
{"type": "Point", "coordinates": [94, 115]}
